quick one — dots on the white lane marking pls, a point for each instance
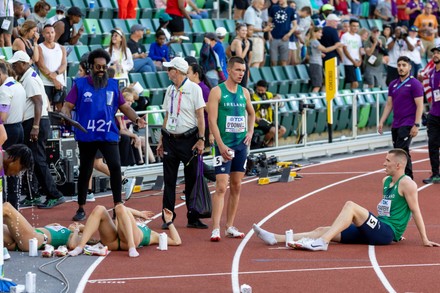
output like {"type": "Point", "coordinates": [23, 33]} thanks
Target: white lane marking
{"type": "Point", "coordinates": [383, 279]}
{"type": "Point", "coordinates": [240, 248]}
{"type": "Point", "coordinates": [83, 282]}
{"type": "Point", "coordinates": [110, 280]}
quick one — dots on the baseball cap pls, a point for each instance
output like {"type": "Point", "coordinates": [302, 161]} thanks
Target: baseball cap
{"type": "Point", "coordinates": [118, 31]}
{"type": "Point", "coordinates": [436, 48]}
{"type": "Point", "coordinates": [211, 36]}
{"type": "Point", "coordinates": [327, 7]}
{"type": "Point", "coordinates": [165, 16]}
{"type": "Point", "coordinates": [20, 56]}
{"type": "Point", "coordinates": [74, 11]}
{"type": "Point", "coordinates": [413, 28]}
{"type": "Point", "coordinates": [179, 63]}
{"type": "Point", "coordinates": [221, 32]}
{"type": "Point", "coordinates": [137, 27]}
{"type": "Point", "coordinates": [374, 29]}
{"type": "Point", "coordinates": [60, 7]}
{"type": "Point", "coordinates": [332, 16]}
{"type": "Point", "coordinates": [191, 60]}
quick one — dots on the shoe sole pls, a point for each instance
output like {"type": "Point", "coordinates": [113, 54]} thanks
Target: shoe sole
{"type": "Point", "coordinates": [45, 254]}
{"type": "Point", "coordinates": [49, 207]}
{"type": "Point", "coordinates": [241, 236]}
{"type": "Point", "coordinates": [215, 239]}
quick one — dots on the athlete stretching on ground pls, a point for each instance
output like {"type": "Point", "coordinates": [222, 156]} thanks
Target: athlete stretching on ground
{"type": "Point", "coordinates": [356, 225]}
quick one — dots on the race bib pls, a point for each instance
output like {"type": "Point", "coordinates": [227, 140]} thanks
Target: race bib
{"type": "Point", "coordinates": [384, 207]}
{"type": "Point", "coordinates": [235, 124]}
{"type": "Point", "coordinates": [372, 59]}
{"type": "Point", "coordinates": [172, 123]}
{"type": "Point", "coordinates": [218, 161]}
{"type": "Point", "coordinates": [6, 24]}
{"type": "Point", "coordinates": [436, 95]}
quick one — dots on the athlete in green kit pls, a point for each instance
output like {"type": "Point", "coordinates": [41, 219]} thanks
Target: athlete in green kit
{"type": "Point", "coordinates": [356, 225]}
{"type": "Point", "coordinates": [231, 121]}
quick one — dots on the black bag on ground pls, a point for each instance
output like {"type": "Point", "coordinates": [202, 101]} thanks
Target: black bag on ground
{"type": "Point", "coordinates": [200, 203]}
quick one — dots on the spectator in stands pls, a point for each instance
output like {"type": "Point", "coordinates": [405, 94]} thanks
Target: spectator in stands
{"type": "Point", "coordinates": [177, 12]}
{"type": "Point", "coordinates": [397, 44]}
{"type": "Point", "coordinates": [304, 24]}
{"type": "Point", "coordinates": [315, 58]}
{"type": "Point", "coordinates": [254, 21]}
{"type": "Point", "coordinates": [65, 33]}
{"type": "Point", "coordinates": [345, 27]}
{"type": "Point", "coordinates": [196, 12]}
{"type": "Point", "coordinates": [356, 8]}
{"type": "Point", "coordinates": [342, 6]}
{"type": "Point", "coordinates": [375, 49]}
{"type": "Point", "coordinates": [402, 16]}
{"type": "Point", "coordinates": [419, 50]}
{"type": "Point", "coordinates": [60, 13]}
{"type": "Point", "coordinates": [6, 21]}
{"type": "Point", "coordinates": [36, 126]}
{"type": "Point", "coordinates": [209, 60]}
{"type": "Point", "coordinates": [264, 114]}
{"type": "Point", "coordinates": [435, 8]}
{"type": "Point", "coordinates": [330, 37]}
{"type": "Point", "coordinates": [240, 7]}
{"type": "Point", "coordinates": [324, 11]}
{"type": "Point", "coordinates": [159, 51]}
{"type": "Point", "coordinates": [121, 58]}
{"type": "Point", "coordinates": [164, 20]}
{"type": "Point", "coordinates": [27, 41]}
{"type": "Point", "coordinates": [141, 61]}
{"type": "Point", "coordinates": [352, 53]}
{"type": "Point", "coordinates": [127, 9]}
{"type": "Point", "coordinates": [413, 9]}
{"type": "Point", "coordinates": [242, 47]}
{"type": "Point", "coordinates": [18, 19]}
{"type": "Point", "coordinates": [53, 65]}
{"type": "Point", "coordinates": [220, 50]}
{"type": "Point", "coordinates": [428, 25]}
{"type": "Point", "coordinates": [383, 12]}
{"type": "Point", "coordinates": [12, 101]}
{"type": "Point", "coordinates": [197, 75]}
{"type": "Point", "coordinates": [90, 113]}
{"type": "Point", "coordinates": [160, 4]}
{"type": "Point", "coordinates": [41, 9]}
{"type": "Point", "coordinates": [294, 52]}
{"type": "Point", "coordinates": [283, 20]}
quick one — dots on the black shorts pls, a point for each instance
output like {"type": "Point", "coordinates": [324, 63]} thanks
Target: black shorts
{"type": "Point", "coordinates": [241, 4]}
{"type": "Point", "coordinates": [11, 24]}
{"type": "Point", "coordinates": [350, 73]}
{"type": "Point", "coordinates": [372, 232]}
{"type": "Point", "coordinates": [176, 24]}
{"type": "Point", "coordinates": [264, 126]}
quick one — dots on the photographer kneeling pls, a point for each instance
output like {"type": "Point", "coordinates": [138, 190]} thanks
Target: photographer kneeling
{"type": "Point", "coordinates": [264, 114]}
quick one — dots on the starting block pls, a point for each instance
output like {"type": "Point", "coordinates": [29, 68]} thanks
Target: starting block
{"type": "Point", "coordinates": [286, 176]}
{"type": "Point", "coordinates": [287, 164]}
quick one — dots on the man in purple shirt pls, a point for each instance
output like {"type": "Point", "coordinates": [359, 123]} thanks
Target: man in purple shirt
{"type": "Point", "coordinates": [405, 98]}
{"type": "Point", "coordinates": [434, 119]}
{"type": "Point", "coordinates": [414, 8]}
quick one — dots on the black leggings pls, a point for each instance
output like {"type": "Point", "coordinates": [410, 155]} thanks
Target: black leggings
{"type": "Point", "coordinates": [110, 152]}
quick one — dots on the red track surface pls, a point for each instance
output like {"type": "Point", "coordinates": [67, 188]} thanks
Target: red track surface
{"type": "Point", "coordinates": [201, 266]}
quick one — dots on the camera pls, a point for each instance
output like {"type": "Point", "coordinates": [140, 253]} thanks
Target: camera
{"type": "Point", "coordinates": [256, 162]}
{"type": "Point", "coordinates": [303, 106]}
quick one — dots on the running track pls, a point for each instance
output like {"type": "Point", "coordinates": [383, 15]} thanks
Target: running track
{"type": "Point", "coordinates": [201, 266]}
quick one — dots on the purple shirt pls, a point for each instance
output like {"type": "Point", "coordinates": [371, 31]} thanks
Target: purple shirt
{"type": "Point", "coordinates": [72, 96]}
{"type": "Point", "coordinates": [412, 5]}
{"type": "Point", "coordinates": [403, 94]}
{"type": "Point", "coordinates": [434, 82]}
{"type": "Point", "coordinates": [205, 93]}
{"type": "Point", "coordinates": [434, 7]}
{"type": "Point", "coordinates": [394, 8]}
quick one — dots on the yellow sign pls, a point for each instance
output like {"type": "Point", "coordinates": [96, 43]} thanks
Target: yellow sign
{"type": "Point", "coordinates": [331, 85]}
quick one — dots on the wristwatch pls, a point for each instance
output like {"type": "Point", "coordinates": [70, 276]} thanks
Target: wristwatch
{"type": "Point", "coordinates": [417, 124]}
{"type": "Point", "coordinates": [201, 138]}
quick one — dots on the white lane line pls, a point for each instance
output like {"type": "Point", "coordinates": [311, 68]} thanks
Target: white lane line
{"type": "Point", "coordinates": [377, 268]}
{"type": "Point", "coordinates": [164, 277]}
{"type": "Point", "coordinates": [83, 282]}
{"type": "Point", "coordinates": [240, 248]}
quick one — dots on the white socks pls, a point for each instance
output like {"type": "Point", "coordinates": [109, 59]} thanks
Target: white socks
{"type": "Point", "coordinates": [77, 251]}
{"type": "Point", "coordinates": [267, 237]}
{"type": "Point", "coordinates": [132, 252]}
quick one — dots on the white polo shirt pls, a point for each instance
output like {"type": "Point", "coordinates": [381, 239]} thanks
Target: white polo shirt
{"type": "Point", "coordinates": [13, 95]}
{"type": "Point", "coordinates": [190, 97]}
{"type": "Point", "coordinates": [33, 86]}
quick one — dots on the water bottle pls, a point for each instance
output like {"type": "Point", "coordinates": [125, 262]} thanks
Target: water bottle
{"type": "Point", "coordinates": [357, 70]}
{"type": "Point", "coordinates": [92, 5]}
{"type": "Point", "coordinates": [93, 30]}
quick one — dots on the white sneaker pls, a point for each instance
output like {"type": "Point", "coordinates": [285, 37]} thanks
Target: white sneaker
{"type": "Point", "coordinates": [233, 232]}
{"type": "Point", "coordinates": [6, 254]}
{"type": "Point", "coordinates": [61, 251]}
{"type": "Point", "coordinates": [97, 249]}
{"type": "Point", "coordinates": [48, 251]}
{"type": "Point", "coordinates": [129, 186]}
{"type": "Point", "coordinates": [90, 197]}
{"type": "Point", "coordinates": [310, 244]}
{"type": "Point", "coordinates": [215, 235]}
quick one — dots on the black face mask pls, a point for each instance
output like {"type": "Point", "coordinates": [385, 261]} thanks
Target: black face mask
{"type": "Point", "coordinates": [262, 95]}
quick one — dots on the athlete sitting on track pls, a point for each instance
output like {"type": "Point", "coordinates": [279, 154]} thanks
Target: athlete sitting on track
{"type": "Point", "coordinates": [126, 234]}
{"type": "Point", "coordinates": [18, 231]}
{"type": "Point", "coordinates": [356, 225]}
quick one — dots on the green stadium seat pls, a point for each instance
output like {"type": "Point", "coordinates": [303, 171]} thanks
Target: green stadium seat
{"type": "Point", "coordinates": [157, 91]}
{"type": "Point", "coordinates": [94, 47]}
{"type": "Point", "coordinates": [364, 109]}
{"type": "Point", "coordinates": [321, 113]}
{"type": "Point", "coordinates": [137, 77]}
{"type": "Point", "coordinates": [106, 27]}
{"type": "Point", "coordinates": [163, 79]}
{"type": "Point", "coordinates": [310, 114]}
{"type": "Point", "coordinates": [155, 122]}
{"type": "Point", "coordinates": [107, 9]}
{"type": "Point", "coordinates": [379, 24]}
{"type": "Point", "coordinates": [364, 24]}
{"type": "Point", "coordinates": [72, 57]}
{"type": "Point", "coordinates": [198, 47]}
{"type": "Point", "coordinates": [7, 52]}
{"type": "Point", "coordinates": [198, 32]}
{"type": "Point", "coordinates": [295, 83]}
{"type": "Point", "coordinates": [207, 25]}
{"type": "Point", "coordinates": [146, 10]}
{"type": "Point", "coordinates": [81, 5]}
{"type": "Point", "coordinates": [80, 50]}
{"type": "Point", "coordinates": [122, 25]}
{"type": "Point", "coordinates": [341, 83]}
{"type": "Point", "coordinates": [219, 22]}
{"type": "Point", "coordinates": [286, 119]}
{"type": "Point", "coordinates": [177, 49]}
{"type": "Point", "coordinates": [230, 25]}
{"type": "Point", "coordinates": [281, 77]}
{"type": "Point", "coordinates": [189, 32]}
{"type": "Point", "coordinates": [187, 48]}
{"type": "Point", "coordinates": [255, 75]}
{"type": "Point", "coordinates": [130, 22]}
{"type": "Point", "coordinates": [96, 38]}
{"type": "Point", "coordinates": [342, 118]}
{"type": "Point", "coordinates": [303, 75]}
{"type": "Point", "coordinates": [370, 99]}
{"type": "Point", "coordinates": [72, 68]}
